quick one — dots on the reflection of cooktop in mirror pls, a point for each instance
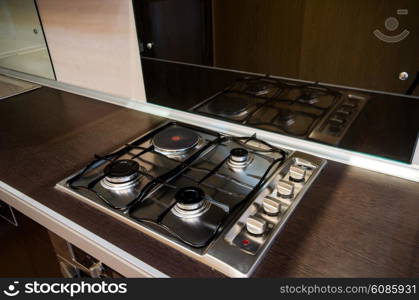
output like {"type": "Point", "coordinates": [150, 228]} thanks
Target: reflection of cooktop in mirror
{"type": "Point", "coordinates": [300, 110]}
{"type": "Point", "coordinates": [279, 66]}
{"type": "Point", "coordinates": [229, 105]}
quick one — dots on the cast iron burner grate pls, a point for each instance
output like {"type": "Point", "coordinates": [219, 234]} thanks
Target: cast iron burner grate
{"type": "Point", "coordinates": [170, 175]}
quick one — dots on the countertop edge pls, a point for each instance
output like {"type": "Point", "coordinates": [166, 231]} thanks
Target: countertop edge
{"type": "Point", "coordinates": [113, 256]}
{"type": "Point", "coordinates": [356, 159]}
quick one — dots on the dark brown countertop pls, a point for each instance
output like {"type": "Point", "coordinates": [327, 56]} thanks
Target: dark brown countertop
{"type": "Point", "coordinates": [352, 222]}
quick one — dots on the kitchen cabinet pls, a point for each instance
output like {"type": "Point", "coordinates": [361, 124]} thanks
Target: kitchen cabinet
{"type": "Point", "coordinates": [25, 249]}
{"type": "Point", "coordinates": [328, 41]}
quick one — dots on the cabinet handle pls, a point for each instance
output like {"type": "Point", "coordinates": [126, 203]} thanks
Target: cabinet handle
{"type": "Point", "coordinates": [403, 75]}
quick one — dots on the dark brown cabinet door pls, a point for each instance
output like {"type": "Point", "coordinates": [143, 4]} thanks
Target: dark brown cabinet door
{"type": "Point", "coordinates": [175, 30]}
{"type": "Point", "coordinates": [332, 41]}
{"type": "Point", "coordinates": [26, 250]}
{"type": "Point", "coordinates": [339, 43]}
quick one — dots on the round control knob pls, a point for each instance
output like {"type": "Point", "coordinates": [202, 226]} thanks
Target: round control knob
{"type": "Point", "coordinates": [297, 173]}
{"type": "Point", "coordinates": [271, 206]}
{"type": "Point", "coordinates": [256, 225]}
{"type": "Point", "coordinates": [285, 189]}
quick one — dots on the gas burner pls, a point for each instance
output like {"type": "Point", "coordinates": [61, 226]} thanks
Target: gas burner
{"type": "Point", "coordinates": [175, 141]}
{"type": "Point", "coordinates": [286, 117]}
{"type": "Point", "coordinates": [121, 174]}
{"type": "Point", "coordinates": [229, 105]}
{"type": "Point", "coordinates": [190, 202]}
{"type": "Point", "coordinates": [309, 97]}
{"type": "Point", "coordinates": [258, 88]}
{"type": "Point", "coordinates": [239, 158]}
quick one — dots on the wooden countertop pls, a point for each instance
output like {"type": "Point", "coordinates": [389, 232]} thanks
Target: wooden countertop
{"type": "Point", "coordinates": [352, 222]}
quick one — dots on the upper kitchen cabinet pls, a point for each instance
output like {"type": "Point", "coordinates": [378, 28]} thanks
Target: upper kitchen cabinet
{"type": "Point", "coordinates": [22, 44]}
{"type": "Point", "coordinates": [342, 73]}
{"type": "Point", "coordinates": [365, 44]}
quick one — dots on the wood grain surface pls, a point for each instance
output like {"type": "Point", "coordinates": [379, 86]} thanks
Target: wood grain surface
{"type": "Point", "coordinates": [352, 222]}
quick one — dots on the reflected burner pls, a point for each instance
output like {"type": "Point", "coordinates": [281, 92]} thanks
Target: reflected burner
{"type": "Point", "coordinates": [229, 105]}
{"type": "Point", "coordinates": [259, 88]}
{"type": "Point", "coordinates": [286, 117]}
{"type": "Point", "coordinates": [190, 202]}
{"type": "Point", "coordinates": [121, 174]}
{"type": "Point", "coordinates": [309, 97]}
{"type": "Point", "coordinates": [175, 141]}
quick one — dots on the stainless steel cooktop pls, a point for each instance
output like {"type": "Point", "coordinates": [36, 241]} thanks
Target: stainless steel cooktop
{"type": "Point", "coordinates": [302, 110]}
{"type": "Point", "coordinates": [218, 198]}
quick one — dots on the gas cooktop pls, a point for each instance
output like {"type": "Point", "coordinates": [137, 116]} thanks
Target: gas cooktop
{"type": "Point", "coordinates": [218, 198]}
{"type": "Point", "coordinates": [301, 110]}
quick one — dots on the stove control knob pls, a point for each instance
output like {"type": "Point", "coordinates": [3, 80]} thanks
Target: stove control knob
{"type": "Point", "coordinates": [297, 173]}
{"type": "Point", "coordinates": [336, 120]}
{"type": "Point", "coordinates": [335, 129]}
{"type": "Point", "coordinates": [352, 103]}
{"type": "Point", "coordinates": [344, 111]}
{"type": "Point", "coordinates": [271, 206]}
{"type": "Point", "coordinates": [285, 189]}
{"type": "Point", "coordinates": [256, 225]}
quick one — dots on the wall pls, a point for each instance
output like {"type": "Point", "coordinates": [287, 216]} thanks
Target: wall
{"type": "Point", "coordinates": [93, 44]}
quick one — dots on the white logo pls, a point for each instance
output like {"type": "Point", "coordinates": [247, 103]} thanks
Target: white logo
{"type": "Point", "coordinates": [11, 290]}
{"type": "Point", "coordinates": [391, 24]}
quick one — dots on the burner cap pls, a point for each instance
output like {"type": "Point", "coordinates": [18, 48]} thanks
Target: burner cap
{"type": "Point", "coordinates": [189, 196]}
{"type": "Point", "coordinates": [309, 97]}
{"type": "Point", "coordinates": [258, 88]}
{"type": "Point", "coordinates": [121, 173]}
{"type": "Point", "coordinates": [239, 155]}
{"type": "Point", "coordinates": [229, 105]}
{"type": "Point", "coordinates": [239, 159]}
{"type": "Point", "coordinates": [122, 168]}
{"type": "Point", "coordinates": [190, 202]}
{"type": "Point", "coordinates": [175, 140]}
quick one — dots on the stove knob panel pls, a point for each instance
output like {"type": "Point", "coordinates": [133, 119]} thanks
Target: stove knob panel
{"type": "Point", "coordinates": [285, 189]}
{"type": "Point", "coordinates": [256, 225]}
{"type": "Point", "coordinates": [297, 174]}
{"type": "Point", "coordinates": [271, 206]}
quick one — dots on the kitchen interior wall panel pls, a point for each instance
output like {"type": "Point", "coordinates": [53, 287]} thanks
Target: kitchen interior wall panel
{"type": "Point", "coordinates": [270, 35]}
{"type": "Point", "coordinates": [341, 48]}
{"type": "Point", "coordinates": [328, 41]}
{"type": "Point", "coordinates": [93, 44]}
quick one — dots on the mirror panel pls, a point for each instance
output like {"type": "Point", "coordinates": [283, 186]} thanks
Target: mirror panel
{"type": "Point", "coordinates": [22, 43]}
{"type": "Point", "coordinates": [341, 73]}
